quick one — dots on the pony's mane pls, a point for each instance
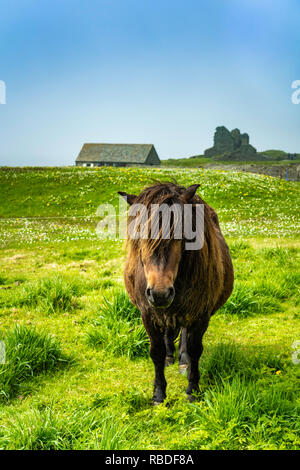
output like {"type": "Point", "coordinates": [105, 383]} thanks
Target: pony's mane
{"type": "Point", "coordinates": [160, 193]}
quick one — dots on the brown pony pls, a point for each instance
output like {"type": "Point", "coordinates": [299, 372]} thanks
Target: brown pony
{"type": "Point", "coordinates": [176, 288]}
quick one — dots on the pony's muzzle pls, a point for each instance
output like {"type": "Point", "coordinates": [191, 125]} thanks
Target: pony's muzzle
{"type": "Point", "coordinates": [161, 298]}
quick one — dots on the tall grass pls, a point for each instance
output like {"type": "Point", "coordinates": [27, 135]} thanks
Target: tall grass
{"type": "Point", "coordinates": [239, 414]}
{"type": "Point", "coordinates": [28, 353]}
{"type": "Point", "coordinates": [77, 429]}
{"type": "Point", "coordinates": [239, 248]}
{"type": "Point", "coordinates": [118, 329]}
{"type": "Point", "coordinates": [51, 294]}
{"type": "Point", "coordinates": [247, 300]}
{"type": "Point", "coordinates": [282, 256]}
{"type": "Point", "coordinates": [227, 360]}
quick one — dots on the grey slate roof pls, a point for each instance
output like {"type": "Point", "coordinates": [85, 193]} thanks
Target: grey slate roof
{"type": "Point", "coordinates": [126, 153]}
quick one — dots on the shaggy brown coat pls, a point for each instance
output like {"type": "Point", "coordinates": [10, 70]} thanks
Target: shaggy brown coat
{"type": "Point", "coordinates": [203, 283]}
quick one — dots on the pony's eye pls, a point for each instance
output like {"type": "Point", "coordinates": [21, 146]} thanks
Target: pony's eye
{"type": "Point", "coordinates": [166, 252]}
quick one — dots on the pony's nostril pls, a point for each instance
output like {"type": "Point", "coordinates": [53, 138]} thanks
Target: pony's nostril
{"type": "Point", "coordinates": [171, 291]}
{"type": "Point", "coordinates": [148, 292]}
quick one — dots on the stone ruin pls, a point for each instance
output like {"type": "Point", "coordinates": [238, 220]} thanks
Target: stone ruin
{"type": "Point", "coordinates": [231, 146]}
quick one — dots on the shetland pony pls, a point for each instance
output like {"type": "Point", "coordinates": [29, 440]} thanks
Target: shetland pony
{"type": "Point", "coordinates": [175, 288]}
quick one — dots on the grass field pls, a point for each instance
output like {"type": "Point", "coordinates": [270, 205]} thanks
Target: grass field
{"type": "Point", "coordinates": [201, 161]}
{"type": "Point", "coordinates": [78, 374]}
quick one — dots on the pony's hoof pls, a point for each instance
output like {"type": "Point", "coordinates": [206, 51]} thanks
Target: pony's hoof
{"type": "Point", "coordinates": [169, 361]}
{"type": "Point", "coordinates": [156, 403]}
{"type": "Point", "coordinates": [158, 400]}
{"type": "Point", "coordinates": [183, 369]}
{"type": "Point", "coordinates": [158, 397]}
{"type": "Point", "coordinates": [191, 398]}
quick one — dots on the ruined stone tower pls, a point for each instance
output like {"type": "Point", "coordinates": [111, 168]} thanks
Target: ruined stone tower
{"type": "Point", "coordinates": [231, 146]}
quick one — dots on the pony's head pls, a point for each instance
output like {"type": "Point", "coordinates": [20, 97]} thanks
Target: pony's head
{"type": "Point", "coordinates": [155, 233]}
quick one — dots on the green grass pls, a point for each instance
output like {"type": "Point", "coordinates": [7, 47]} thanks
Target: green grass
{"type": "Point", "coordinates": [50, 295]}
{"type": "Point", "coordinates": [246, 301]}
{"type": "Point", "coordinates": [78, 373]}
{"type": "Point", "coordinates": [119, 329]}
{"type": "Point", "coordinates": [192, 162]}
{"type": "Point", "coordinates": [278, 155]}
{"type": "Point", "coordinates": [270, 157]}
{"type": "Point", "coordinates": [28, 353]}
{"type": "Point", "coordinates": [45, 430]}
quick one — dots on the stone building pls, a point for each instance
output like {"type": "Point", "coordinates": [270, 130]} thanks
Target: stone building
{"type": "Point", "coordinates": [231, 146]}
{"type": "Point", "coordinates": [117, 155]}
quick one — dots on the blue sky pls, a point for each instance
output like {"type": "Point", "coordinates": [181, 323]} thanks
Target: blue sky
{"type": "Point", "coordinates": [165, 72]}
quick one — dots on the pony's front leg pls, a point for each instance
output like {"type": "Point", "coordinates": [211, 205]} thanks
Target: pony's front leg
{"type": "Point", "coordinates": [158, 355]}
{"type": "Point", "coordinates": [194, 350]}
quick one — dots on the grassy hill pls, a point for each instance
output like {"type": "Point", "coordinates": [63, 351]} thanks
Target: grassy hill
{"type": "Point", "coordinates": [270, 157]}
{"type": "Point", "coordinates": [78, 372]}
{"type": "Point", "coordinates": [278, 155]}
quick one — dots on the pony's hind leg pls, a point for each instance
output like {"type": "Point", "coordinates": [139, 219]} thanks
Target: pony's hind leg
{"type": "Point", "coordinates": [183, 357]}
{"type": "Point", "coordinates": [169, 338]}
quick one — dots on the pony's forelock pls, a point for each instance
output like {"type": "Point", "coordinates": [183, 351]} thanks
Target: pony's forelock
{"type": "Point", "coordinates": [153, 198]}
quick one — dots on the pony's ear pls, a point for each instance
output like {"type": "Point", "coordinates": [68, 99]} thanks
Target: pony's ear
{"type": "Point", "coordinates": [130, 198]}
{"type": "Point", "coordinates": [189, 193]}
